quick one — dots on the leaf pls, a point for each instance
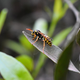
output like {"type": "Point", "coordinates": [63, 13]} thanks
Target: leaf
{"type": "Point", "coordinates": [26, 61]}
{"type": "Point", "coordinates": [61, 36]}
{"type": "Point", "coordinates": [41, 24]}
{"type": "Point", "coordinates": [51, 52]}
{"type": "Point", "coordinates": [63, 62]}
{"type": "Point", "coordinates": [40, 63]}
{"type": "Point", "coordinates": [11, 69]}
{"type": "Point", "coordinates": [25, 43]}
{"type": "Point", "coordinates": [57, 7]}
{"type": "Point", "coordinates": [57, 11]}
{"type": "Point", "coordinates": [3, 17]}
{"type": "Point", "coordinates": [1, 79]}
{"type": "Point", "coordinates": [73, 1]}
{"type": "Point", "coordinates": [16, 47]}
{"type": "Point", "coordinates": [78, 37]}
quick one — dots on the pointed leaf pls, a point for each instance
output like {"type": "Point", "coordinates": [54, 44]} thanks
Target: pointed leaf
{"type": "Point", "coordinates": [2, 18]}
{"type": "Point", "coordinates": [25, 43]}
{"type": "Point", "coordinates": [63, 62]}
{"type": "Point", "coordinates": [16, 47]}
{"type": "Point", "coordinates": [41, 24]}
{"type": "Point", "coordinates": [52, 52]}
{"type": "Point", "coordinates": [1, 79]}
{"type": "Point", "coordinates": [61, 36]}
{"type": "Point", "coordinates": [11, 69]}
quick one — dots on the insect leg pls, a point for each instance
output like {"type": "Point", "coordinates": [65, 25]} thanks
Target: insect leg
{"type": "Point", "coordinates": [34, 37]}
{"type": "Point", "coordinates": [43, 45]}
{"type": "Point", "coordinates": [36, 40]}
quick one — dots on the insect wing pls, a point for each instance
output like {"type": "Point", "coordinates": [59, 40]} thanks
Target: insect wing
{"type": "Point", "coordinates": [42, 34]}
{"type": "Point", "coordinates": [45, 36]}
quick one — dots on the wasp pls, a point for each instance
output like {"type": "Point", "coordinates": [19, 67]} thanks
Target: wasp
{"type": "Point", "coordinates": [39, 35]}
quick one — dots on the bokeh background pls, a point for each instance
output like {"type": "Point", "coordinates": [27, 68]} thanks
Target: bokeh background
{"type": "Point", "coordinates": [22, 14]}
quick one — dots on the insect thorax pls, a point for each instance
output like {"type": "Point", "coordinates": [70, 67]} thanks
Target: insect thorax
{"type": "Point", "coordinates": [45, 37]}
{"type": "Point", "coordinates": [36, 32]}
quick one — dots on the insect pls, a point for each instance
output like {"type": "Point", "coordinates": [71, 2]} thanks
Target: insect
{"type": "Point", "coordinates": [39, 35]}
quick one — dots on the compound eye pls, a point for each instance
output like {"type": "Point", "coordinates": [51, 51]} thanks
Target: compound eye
{"type": "Point", "coordinates": [33, 31]}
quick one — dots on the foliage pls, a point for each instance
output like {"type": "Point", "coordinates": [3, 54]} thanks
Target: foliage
{"type": "Point", "coordinates": [12, 69]}
{"type": "Point", "coordinates": [63, 62]}
{"type": "Point", "coordinates": [2, 18]}
{"type": "Point", "coordinates": [26, 61]}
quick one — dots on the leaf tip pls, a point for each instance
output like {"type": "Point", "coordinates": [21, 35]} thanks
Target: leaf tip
{"type": "Point", "coordinates": [23, 32]}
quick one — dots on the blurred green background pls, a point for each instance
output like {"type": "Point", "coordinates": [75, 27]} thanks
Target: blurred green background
{"type": "Point", "coordinates": [52, 17]}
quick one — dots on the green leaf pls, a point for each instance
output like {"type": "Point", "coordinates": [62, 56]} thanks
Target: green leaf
{"type": "Point", "coordinates": [3, 17]}
{"type": "Point", "coordinates": [1, 79]}
{"type": "Point", "coordinates": [26, 61]}
{"type": "Point", "coordinates": [63, 62]}
{"type": "Point", "coordinates": [26, 43]}
{"type": "Point", "coordinates": [57, 7]}
{"type": "Point", "coordinates": [61, 36]}
{"type": "Point", "coordinates": [11, 69]}
{"type": "Point", "coordinates": [41, 24]}
{"type": "Point", "coordinates": [16, 47]}
{"type": "Point", "coordinates": [52, 52]}
{"type": "Point", "coordinates": [40, 63]}
{"type": "Point", "coordinates": [66, 6]}
{"type": "Point", "coordinates": [57, 11]}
